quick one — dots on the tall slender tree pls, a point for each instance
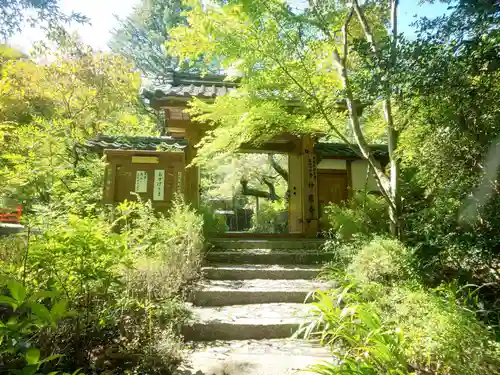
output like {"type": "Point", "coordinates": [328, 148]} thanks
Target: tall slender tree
{"type": "Point", "coordinates": [141, 36]}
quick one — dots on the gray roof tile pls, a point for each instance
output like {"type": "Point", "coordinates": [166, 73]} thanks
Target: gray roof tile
{"type": "Point", "coordinates": [106, 142]}
{"type": "Point", "coordinates": [185, 85]}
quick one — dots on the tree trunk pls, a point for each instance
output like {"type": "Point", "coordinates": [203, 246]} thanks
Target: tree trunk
{"type": "Point", "coordinates": [392, 191]}
{"type": "Point", "coordinates": [392, 135]}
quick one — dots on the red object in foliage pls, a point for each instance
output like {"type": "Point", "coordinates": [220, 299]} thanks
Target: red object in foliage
{"type": "Point", "coordinates": [10, 215]}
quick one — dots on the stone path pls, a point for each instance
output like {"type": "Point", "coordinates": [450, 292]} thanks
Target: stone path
{"type": "Point", "coordinates": [248, 307]}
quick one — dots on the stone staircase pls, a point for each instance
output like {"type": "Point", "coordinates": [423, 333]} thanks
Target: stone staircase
{"type": "Point", "coordinates": [248, 306]}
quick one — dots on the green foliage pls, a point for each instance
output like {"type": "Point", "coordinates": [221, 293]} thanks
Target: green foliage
{"type": "Point", "coordinates": [167, 249]}
{"type": "Point", "coordinates": [141, 36]}
{"type": "Point", "coordinates": [272, 217]}
{"type": "Point", "coordinates": [449, 138]}
{"type": "Point", "coordinates": [355, 333]}
{"type": "Point", "coordinates": [444, 336]}
{"type": "Point", "coordinates": [280, 56]}
{"type": "Point", "coordinates": [22, 317]}
{"type": "Point", "coordinates": [379, 317]}
{"type": "Point", "coordinates": [47, 13]}
{"type": "Point", "coordinates": [124, 287]}
{"type": "Point", "coordinates": [379, 329]}
{"type": "Point", "coordinates": [213, 223]}
{"type": "Point", "coordinates": [47, 111]}
{"type": "Point", "coordinates": [363, 214]}
{"type": "Point", "coordinates": [383, 261]}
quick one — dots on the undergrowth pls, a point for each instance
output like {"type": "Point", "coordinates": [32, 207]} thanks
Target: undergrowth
{"type": "Point", "coordinates": [381, 319]}
{"type": "Point", "coordinates": [123, 283]}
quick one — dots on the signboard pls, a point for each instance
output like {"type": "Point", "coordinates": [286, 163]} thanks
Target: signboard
{"type": "Point", "coordinates": [145, 159]}
{"type": "Point", "coordinates": [159, 185]}
{"type": "Point", "coordinates": [141, 182]}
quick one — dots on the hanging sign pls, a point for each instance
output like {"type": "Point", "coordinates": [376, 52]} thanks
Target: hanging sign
{"type": "Point", "coordinates": [159, 185]}
{"type": "Point", "coordinates": [141, 182]}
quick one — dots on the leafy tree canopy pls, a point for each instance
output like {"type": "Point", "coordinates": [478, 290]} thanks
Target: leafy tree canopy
{"type": "Point", "coordinates": [50, 105]}
{"type": "Point", "coordinates": [14, 13]}
{"type": "Point", "coordinates": [141, 36]}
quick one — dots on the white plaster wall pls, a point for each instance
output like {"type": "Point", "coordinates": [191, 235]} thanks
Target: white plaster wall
{"type": "Point", "coordinates": [332, 164]}
{"type": "Point", "coordinates": [358, 171]}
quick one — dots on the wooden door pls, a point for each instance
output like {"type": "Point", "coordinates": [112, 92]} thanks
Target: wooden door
{"type": "Point", "coordinates": [332, 188]}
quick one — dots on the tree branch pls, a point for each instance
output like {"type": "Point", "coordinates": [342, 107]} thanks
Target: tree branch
{"type": "Point", "coordinates": [344, 33]}
{"type": "Point", "coordinates": [366, 27]}
{"type": "Point", "coordinates": [278, 168]}
{"type": "Point", "coordinates": [249, 191]}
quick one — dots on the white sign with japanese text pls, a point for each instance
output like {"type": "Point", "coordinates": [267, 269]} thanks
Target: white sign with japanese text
{"type": "Point", "coordinates": [159, 185]}
{"type": "Point", "coordinates": [141, 182]}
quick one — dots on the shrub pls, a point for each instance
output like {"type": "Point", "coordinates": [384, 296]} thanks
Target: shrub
{"type": "Point", "coordinates": [213, 223]}
{"type": "Point", "coordinates": [22, 318]}
{"type": "Point", "coordinates": [443, 337]}
{"type": "Point", "coordinates": [123, 280]}
{"type": "Point", "coordinates": [382, 260]}
{"type": "Point", "coordinates": [167, 249]}
{"type": "Point", "coordinates": [364, 214]}
{"type": "Point", "coordinates": [355, 333]}
{"type": "Point", "coordinates": [343, 252]}
{"type": "Point", "coordinates": [272, 217]}
{"type": "Point", "coordinates": [380, 329]}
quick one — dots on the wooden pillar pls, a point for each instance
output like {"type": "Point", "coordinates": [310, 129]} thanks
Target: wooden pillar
{"type": "Point", "coordinates": [295, 215]}
{"type": "Point", "coordinates": [309, 187]}
{"type": "Point", "coordinates": [349, 179]}
{"type": "Point", "coordinates": [192, 182]}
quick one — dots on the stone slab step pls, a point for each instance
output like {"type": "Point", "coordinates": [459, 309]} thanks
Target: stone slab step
{"type": "Point", "coordinates": [252, 357]}
{"type": "Point", "coordinates": [266, 256]}
{"type": "Point", "coordinates": [241, 292]}
{"type": "Point", "coordinates": [260, 271]}
{"type": "Point", "coordinates": [278, 243]}
{"type": "Point", "coordinates": [244, 322]}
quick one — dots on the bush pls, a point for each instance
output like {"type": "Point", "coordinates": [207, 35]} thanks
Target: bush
{"type": "Point", "coordinates": [382, 260]}
{"type": "Point", "coordinates": [364, 214]}
{"type": "Point", "coordinates": [272, 217]}
{"type": "Point", "coordinates": [123, 280]}
{"type": "Point", "coordinates": [442, 335]}
{"type": "Point", "coordinates": [379, 329]}
{"type": "Point", "coordinates": [213, 223]}
{"type": "Point", "coordinates": [167, 249]}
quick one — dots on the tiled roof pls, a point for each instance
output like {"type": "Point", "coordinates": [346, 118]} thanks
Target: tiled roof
{"type": "Point", "coordinates": [183, 85]}
{"type": "Point", "coordinates": [107, 142]}
{"type": "Point", "coordinates": [380, 152]}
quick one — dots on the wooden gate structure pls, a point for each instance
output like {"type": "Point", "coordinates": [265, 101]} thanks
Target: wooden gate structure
{"type": "Point", "coordinates": [319, 173]}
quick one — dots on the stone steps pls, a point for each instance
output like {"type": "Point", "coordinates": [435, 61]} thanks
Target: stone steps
{"type": "Point", "coordinates": [253, 298]}
{"type": "Point", "coordinates": [260, 271]}
{"type": "Point", "coordinates": [245, 322]}
{"type": "Point", "coordinates": [257, 291]}
{"type": "Point", "coordinates": [228, 243]}
{"type": "Point", "coordinates": [265, 256]}
{"type": "Point", "coordinates": [253, 357]}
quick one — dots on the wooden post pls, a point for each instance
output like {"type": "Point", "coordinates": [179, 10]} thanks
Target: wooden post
{"type": "Point", "coordinates": [310, 187]}
{"type": "Point", "coordinates": [349, 179]}
{"type": "Point", "coordinates": [295, 205]}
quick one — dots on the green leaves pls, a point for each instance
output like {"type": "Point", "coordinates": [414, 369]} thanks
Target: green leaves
{"type": "Point", "coordinates": [32, 356]}
{"type": "Point", "coordinates": [17, 290]}
{"type": "Point", "coordinates": [9, 301]}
